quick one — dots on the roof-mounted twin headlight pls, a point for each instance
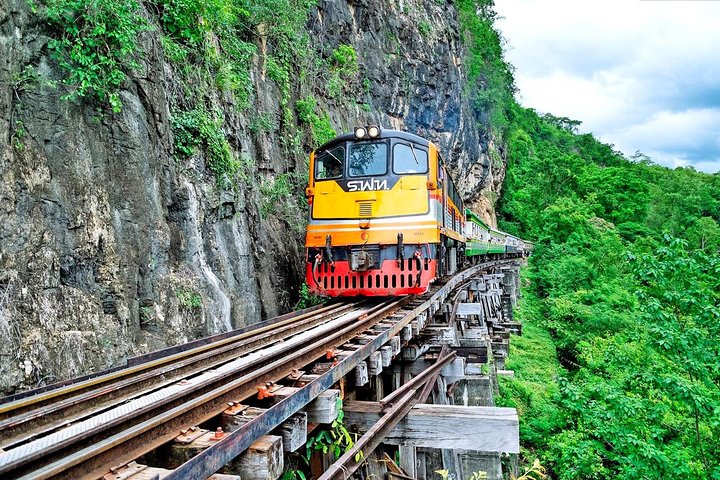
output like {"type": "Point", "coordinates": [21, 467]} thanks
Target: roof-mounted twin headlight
{"type": "Point", "coordinates": [372, 131]}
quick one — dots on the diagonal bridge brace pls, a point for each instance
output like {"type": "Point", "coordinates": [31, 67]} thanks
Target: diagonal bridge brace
{"type": "Point", "coordinates": [402, 401]}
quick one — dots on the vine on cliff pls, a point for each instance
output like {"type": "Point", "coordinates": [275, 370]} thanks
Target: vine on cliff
{"type": "Point", "coordinates": [200, 129]}
{"type": "Point", "coordinates": [96, 43]}
{"type": "Point", "coordinates": [213, 44]}
{"type": "Point", "coordinates": [206, 40]}
{"type": "Point", "coordinates": [320, 127]}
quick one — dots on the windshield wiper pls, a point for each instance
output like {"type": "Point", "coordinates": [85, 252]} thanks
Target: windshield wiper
{"type": "Point", "coordinates": [336, 158]}
{"type": "Point", "coordinates": [412, 149]}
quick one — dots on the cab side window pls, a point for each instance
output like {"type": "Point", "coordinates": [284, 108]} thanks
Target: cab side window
{"type": "Point", "coordinates": [409, 159]}
{"type": "Point", "coordinates": [330, 164]}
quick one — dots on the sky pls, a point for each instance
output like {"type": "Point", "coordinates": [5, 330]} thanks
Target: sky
{"type": "Point", "coordinates": [643, 75]}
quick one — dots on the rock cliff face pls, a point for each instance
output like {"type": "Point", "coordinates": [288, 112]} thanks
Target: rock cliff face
{"type": "Point", "coordinates": [110, 246]}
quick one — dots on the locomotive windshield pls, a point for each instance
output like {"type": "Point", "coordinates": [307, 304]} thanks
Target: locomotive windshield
{"type": "Point", "coordinates": [409, 159]}
{"type": "Point", "coordinates": [330, 164]}
{"type": "Point", "coordinates": [368, 159]}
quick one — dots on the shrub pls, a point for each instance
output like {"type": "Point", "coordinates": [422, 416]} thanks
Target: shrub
{"type": "Point", "coordinates": [189, 299]}
{"type": "Point", "coordinates": [96, 43]}
{"type": "Point", "coordinates": [199, 129]}
{"type": "Point", "coordinates": [345, 59]}
{"type": "Point", "coordinates": [320, 127]}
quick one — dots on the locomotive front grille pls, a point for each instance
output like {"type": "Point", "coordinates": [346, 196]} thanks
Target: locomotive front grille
{"type": "Point", "coordinates": [365, 209]}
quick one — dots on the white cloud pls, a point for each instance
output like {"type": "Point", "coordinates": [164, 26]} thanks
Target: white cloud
{"type": "Point", "coordinates": [676, 139]}
{"type": "Point", "coordinates": [643, 75]}
{"type": "Point", "coordinates": [687, 130]}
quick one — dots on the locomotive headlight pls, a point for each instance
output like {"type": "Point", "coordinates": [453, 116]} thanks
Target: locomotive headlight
{"type": "Point", "coordinates": [373, 131]}
{"type": "Point", "coordinates": [360, 132]}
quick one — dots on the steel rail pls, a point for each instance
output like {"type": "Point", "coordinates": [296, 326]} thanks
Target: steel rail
{"type": "Point", "coordinates": [346, 465]}
{"type": "Point", "coordinates": [215, 457]}
{"type": "Point", "coordinates": [124, 446]}
{"type": "Point", "coordinates": [146, 357]}
{"type": "Point", "coordinates": [112, 375]}
{"type": "Point", "coordinates": [120, 417]}
{"type": "Point", "coordinates": [45, 419]}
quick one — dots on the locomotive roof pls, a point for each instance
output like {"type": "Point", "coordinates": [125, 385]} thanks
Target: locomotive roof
{"type": "Point", "coordinates": [384, 133]}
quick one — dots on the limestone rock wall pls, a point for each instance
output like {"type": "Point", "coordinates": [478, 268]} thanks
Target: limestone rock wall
{"type": "Point", "coordinates": [109, 247]}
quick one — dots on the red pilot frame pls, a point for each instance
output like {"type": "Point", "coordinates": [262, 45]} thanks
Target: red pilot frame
{"type": "Point", "coordinates": [397, 276]}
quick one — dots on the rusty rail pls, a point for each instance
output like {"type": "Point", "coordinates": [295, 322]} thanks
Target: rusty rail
{"type": "Point", "coordinates": [122, 438]}
{"type": "Point", "coordinates": [125, 385]}
{"type": "Point", "coordinates": [114, 443]}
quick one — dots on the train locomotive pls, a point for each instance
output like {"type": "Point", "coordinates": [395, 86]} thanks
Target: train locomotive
{"type": "Point", "coordinates": [387, 219]}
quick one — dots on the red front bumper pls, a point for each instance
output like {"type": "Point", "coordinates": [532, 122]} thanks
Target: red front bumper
{"type": "Point", "coordinates": [390, 280]}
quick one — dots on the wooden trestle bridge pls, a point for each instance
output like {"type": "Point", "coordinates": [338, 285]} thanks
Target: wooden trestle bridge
{"type": "Point", "coordinates": [416, 377]}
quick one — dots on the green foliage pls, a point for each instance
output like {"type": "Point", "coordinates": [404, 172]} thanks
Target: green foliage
{"type": "Point", "coordinates": [343, 70]}
{"type": "Point", "coordinates": [491, 77]}
{"type": "Point", "coordinates": [25, 80]}
{"type": "Point", "coordinates": [189, 299]}
{"type": "Point", "coordinates": [206, 39]}
{"type": "Point", "coordinates": [307, 299]}
{"type": "Point", "coordinates": [275, 192]}
{"type": "Point", "coordinates": [96, 43]}
{"type": "Point", "coordinates": [18, 136]}
{"type": "Point", "coordinates": [337, 439]}
{"type": "Point", "coordinates": [535, 472]}
{"type": "Point", "coordinates": [644, 399]}
{"type": "Point", "coordinates": [174, 51]}
{"type": "Point", "coordinates": [616, 373]}
{"type": "Point", "coordinates": [424, 28]}
{"type": "Point", "coordinates": [704, 234]}
{"type": "Point", "coordinates": [445, 475]}
{"type": "Point", "coordinates": [478, 476]}
{"type": "Point", "coordinates": [282, 197]}
{"type": "Point", "coordinates": [534, 388]}
{"type": "Point", "coordinates": [192, 21]}
{"type": "Point", "coordinates": [293, 474]}
{"type": "Point", "coordinates": [336, 85]}
{"type": "Point", "coordinates": [146, 314]}
{"type": "Point", "coordinates": [320, 127]}
{"type": "Point", "coordinates": [282, 23]}
{"type": "Point", "coordinates": [263, 123]}
{"type": "Point", "coordinates": [345, 59]}
{"type": "Point", "coordinates": [219, 36]}
{"type": "Point", "coordinates": [198, 129]}
{"type": "Point", "coordinates": [212, 43]}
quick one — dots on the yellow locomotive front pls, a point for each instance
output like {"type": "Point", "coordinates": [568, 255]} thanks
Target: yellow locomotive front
{"type": "Point", "coordinates": [376, 214]}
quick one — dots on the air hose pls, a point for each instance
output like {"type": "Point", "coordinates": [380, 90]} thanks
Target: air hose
{"type": "Point", "coordinates": [318, 260]}
{"type": "Point", "coordinates": [418, 259]}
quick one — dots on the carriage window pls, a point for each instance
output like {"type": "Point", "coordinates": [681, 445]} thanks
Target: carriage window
{"type": "Point", "coordinates": [368, 159]}
{"type": "Point", "coordinates": [330, 163]}
{"type": "Point", "coordinates": [409, 159]}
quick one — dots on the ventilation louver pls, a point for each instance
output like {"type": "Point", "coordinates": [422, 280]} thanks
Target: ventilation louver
{"type": "Point", "coordinates": [365, 209]}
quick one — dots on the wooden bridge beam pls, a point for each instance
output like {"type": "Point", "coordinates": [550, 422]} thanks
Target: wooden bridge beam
{"type": "Point", "coordinates": [480, 429]}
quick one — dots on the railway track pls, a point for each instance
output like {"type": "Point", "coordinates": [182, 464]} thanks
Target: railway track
{"type": "Point", "coordinates": [83, 429]}
{"type": "Point", "coordinates": [25, 418]}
